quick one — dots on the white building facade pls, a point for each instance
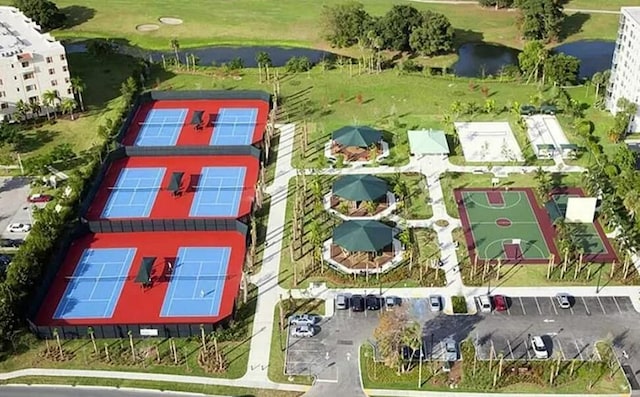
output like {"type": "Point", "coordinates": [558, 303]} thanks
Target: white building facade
{"type": "Point", "coordinates": [31, 63]}
{"type": "Point", "coordinates": [625, 67]}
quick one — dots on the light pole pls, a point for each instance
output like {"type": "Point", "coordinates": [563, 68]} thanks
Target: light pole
{"type": "Point", "coordinates": [420, 364]}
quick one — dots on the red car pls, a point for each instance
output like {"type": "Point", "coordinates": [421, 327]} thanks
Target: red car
{"type": "Point", "coordinates": [39, 198]}
{"type": "Point", "coordinates": [500, 302]}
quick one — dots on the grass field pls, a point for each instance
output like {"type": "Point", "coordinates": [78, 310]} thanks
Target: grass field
{"type": "Point", "coordinates": [153, 385]}
{"type": "Point", "coordinates": [287, 22]}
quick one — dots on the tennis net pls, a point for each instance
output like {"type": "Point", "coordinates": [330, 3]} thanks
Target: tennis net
{"type": "Point", "coordinates": [95, 278]}
{"type": "Point", "coordinates": [134, 189]}
{"type": "Point", "coordinates": [168, 124]}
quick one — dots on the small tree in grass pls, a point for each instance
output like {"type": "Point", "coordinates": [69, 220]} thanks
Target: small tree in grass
{"type": "Point", "coordinates": [56, 335]}
{"type": "Point", "coordinates": [92, 335]}
{"type": "Point", "coordinates": [133, 350]}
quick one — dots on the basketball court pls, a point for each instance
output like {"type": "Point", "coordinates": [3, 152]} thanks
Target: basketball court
{"type": "Point", "coordinates": [506, 225]}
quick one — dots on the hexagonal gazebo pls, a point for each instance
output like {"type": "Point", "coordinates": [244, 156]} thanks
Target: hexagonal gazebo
{"type": "Point", "coordinates": [355, 143]}
{"type": "Point", "coordinates": [363, 246]}
{"type": "Point", "coordinates": [359, 196]}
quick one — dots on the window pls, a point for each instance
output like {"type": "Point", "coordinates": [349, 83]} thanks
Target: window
{"type": "Point", "coordinates": [52, 71]}
{"type": "Point", "coordinates": [62, 58]}
{"type": "Point", "coordinates": [66, 80]}
{"type": "Point", "coordinates": [1, 82]}
{"type": "Point", "coordinates": [2, 94]}
{"type": "Point", "coordinates": [28, 76]}
{"type": "Point", "coordinates": [69, 91]}
{"type": "Point", "coordinates": [31, 87]}
{"type": "Point", "coordinates": [49, 59]}
{"type": "Point", "coordinates": [54, 83]}
{"type": "Point", "coordinates": [4, 105]}
{"type": "Point", "coordinates": [64, 68]}
{"type": "Point", "coordinates": [25, 64]}
{"type": "Point", "coordinates": [33, 99]}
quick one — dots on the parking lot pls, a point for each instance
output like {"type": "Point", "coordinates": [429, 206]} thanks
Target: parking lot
{"type": "Point", "coordinates": [14, 207]}
{"type": "Point", "coordinates": [580, 306]}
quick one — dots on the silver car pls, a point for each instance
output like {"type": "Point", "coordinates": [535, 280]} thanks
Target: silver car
{"type": "Point", "coordinates": [303, 331]}
{"type": "Point", "coordinates": [450, 350]}
{"type": "Point", "coordinates": [563, 300]}
{"type": "Point", "coordinates": [302, 319]}
{"type": "Point", "coordinates": [435, 303]}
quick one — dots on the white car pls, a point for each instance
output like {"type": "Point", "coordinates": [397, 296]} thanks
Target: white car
{"type": "Point", "coordinates": [303, 331]}
{"type": "Point", "coordinates": [302, 319]}
{"type": "Point", "coordinates": [539, 347]}
{"type": "Point", "coordinates": [434, 303]}
{"type": "Point", "coordinates": [19, 227]}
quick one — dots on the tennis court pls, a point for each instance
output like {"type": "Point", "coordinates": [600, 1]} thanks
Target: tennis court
{"type": "Point", "coordinates": [95, 286]}
{"type": "Point", "coordinates": [505, 224]}
{"type": "Point", "coordinates": [218, 191]}
{"type": "Point", "coordinates": [234, 126]}
{"type": "Point", "coordinates": [197, 282]}
{"type": "Point", "coordinates": [161, 127]}
{"type": "Point", "coordinates": [134, 193]}
{"type": "Point", "coordinates": [586, 234]}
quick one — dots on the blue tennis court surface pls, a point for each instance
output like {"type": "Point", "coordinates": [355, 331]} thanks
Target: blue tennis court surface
{"type": "Point", "coordinates": [161, 127]}
{"type": "Point", "coordinates": [234, 126]}
{"type": "Point", "coordinates": [96, 284]}
{"type": "Point", "coordinates": [134, 193]}
{"type": "Point", "coordinates": [218, 192]}
{"type": "Point", "coordinates": [197, 282]}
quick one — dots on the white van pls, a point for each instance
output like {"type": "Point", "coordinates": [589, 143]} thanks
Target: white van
{"type": "Point", "coordinates": [485, 303]}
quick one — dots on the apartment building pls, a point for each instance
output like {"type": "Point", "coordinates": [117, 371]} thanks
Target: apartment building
{"type": "Point", "coordinates": [31, 63]}
{"type": "Point", "coordinates": [625, 67]}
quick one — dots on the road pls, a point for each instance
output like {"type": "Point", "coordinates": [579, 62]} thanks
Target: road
{"type": "Point", "coordinates": [80, 391]}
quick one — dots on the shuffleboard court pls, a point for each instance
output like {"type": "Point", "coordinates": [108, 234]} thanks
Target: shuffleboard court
{"type": "Point", "coordinates": [197, 282]}
{"type": "Point", "coordinates": [506, 225]}
{"type": "Point", "coordinates": [134, 193]}
{"type": "Point", "coordinates": [96, 284]}
{"type": "Point", "coordinates": [161, 127]}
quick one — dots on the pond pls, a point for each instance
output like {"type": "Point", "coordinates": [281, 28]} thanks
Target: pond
{"type": "Point", "coordinates": [478, 59]}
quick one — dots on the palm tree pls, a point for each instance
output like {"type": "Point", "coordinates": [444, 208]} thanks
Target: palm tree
{"type": "Point", "coordinates": [67, 106]}
{"type": "Point", "coordinates": [175, 46]}
{"type": "Point", "coordinates": [264, 61]}
{"type": "Point", "coordinates": [56, 335]}
{"type": "Point", "coordinates": [631, 202]}
{"type": "Point", "coordinates": [412, 338]}
{"type": "Point", "coordinates": [133, 350]}
{"type": "Point", "coordinates": [78, 87]}
{"type": "Point", "coordinates": [35, 108]}
{"type": "Point", "coordinates": [22, 108]}
{"type": "Point", "coordinates": [49, 100]}
{"type": "Point", "coordinates": [91, 333]}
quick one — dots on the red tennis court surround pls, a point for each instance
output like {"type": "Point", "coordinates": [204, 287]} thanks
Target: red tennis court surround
{"type": "Point", "coordinates": [137, 305]}
{"type": "Point", "coordinates": [167, 205]}
{"type": "Point", "coordinates": [211, 107]}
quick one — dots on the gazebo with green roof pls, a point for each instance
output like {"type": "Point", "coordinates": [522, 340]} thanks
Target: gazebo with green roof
{"type": "Point", "coordinates": [360, 187]}
{"type": "Point", "coordinates": [363, 236]}
{"type": "Point", "coordinates": [356, 136]}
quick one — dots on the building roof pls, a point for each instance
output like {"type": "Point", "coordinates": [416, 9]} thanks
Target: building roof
{"type": "Point", "coordinates": [632, 12]}
{"type": "Point", "coordinates": [360, 187]}
{"type": "Point", "coordinates": [20, 35]}
{"type": "Point", "coordinates": [428, 142]}
{"type": "Point", "coordinates": [144, 187]}
{"type": "Point", "coordinates": [360, 136]}
{"type": "Point", "coordinates": [363, 236]}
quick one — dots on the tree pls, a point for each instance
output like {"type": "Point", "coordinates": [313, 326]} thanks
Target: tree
{"type": "Point", "coordinates": [543, 187]}
{"type": "Point", "coordinates": [412, 338]}
{"type": "Point", "coordinates": [496, 3]}
{"type": "Point", "coordinates": [532, 59]}
{"type": "Point", "coordinates": [561, 69]}
{"type": "Point", "coordinates": [22, 108]}
{"type": "Point", "coordinates": [396, 25]}
{"type": "Point", "coordinates": [45, 13]}
{"type": "Point", "coordinates": [264, 61]}
{"type": "Point", "coordinates": [92, 335]}
{"type": "Point", "coordinates": [433, 36]}
{"type": "Point", "coordinates": [50, 101]}
{"type": "Point", "coordinates": [175, 46]}
{"type": "Point", "coordinates": [298, 64]}
{"type": "Point", "coordinates": [67, 106]}
{"type": "Point", "coordinates": [344, 24]}
{"type": "Point", "coordinates": [56, 335]}
{"type": "Point", "coordinates": [35, 108]}
{"type": "Point", "coordinates": [101, 48]}
{"type": "Point", "coordinates": [78, 87]}
{"type": "Point", "coordinates": [540, 19]}
{"type": "Point", "coordinates": [389, 336]}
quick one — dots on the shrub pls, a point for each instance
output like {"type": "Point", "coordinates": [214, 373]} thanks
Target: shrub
{"type": "Point", "coordinates": [459, 304]}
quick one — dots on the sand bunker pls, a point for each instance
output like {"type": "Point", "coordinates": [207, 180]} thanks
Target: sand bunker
{"type": "Point", "coordinates": [170, 20]}
{"type": "Point", "coordinates": [147, 27]}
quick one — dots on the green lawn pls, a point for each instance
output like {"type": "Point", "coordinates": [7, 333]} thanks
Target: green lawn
{"type": "Point", "coordinates": [598, 5]}
{"type": "Point", "coordinates": [285, 22]}
{"type": "Point", "coordinates": [464, 379]}
{"type": "Point", "coordinates": [279, 339]}
{"type": "Point", "coordinates": [153, 385]}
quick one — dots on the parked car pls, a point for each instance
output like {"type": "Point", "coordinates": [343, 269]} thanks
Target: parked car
{"type": "Point", "coordinates": [539, 347]}
{"type": "Point", "coordinates": [500, 302]}
{"type": "Point", "coordinates": [485, 303]}
{"type": "Point", "coordinates": [19, 227]}
{"type": "Point", "coordinates": [303, 331]}
{"type": "Point", "coordinates": [450, 350]}
{"type": "Point", "coordinates": [302, 319]}
{"type": "Point", "coordinates": [342, 302]}
{"type": "Point", "coordinates": [392, 301]}
{"type": "Point", "coordinates": [40, 198]}
{"type": "Point", "coordinates": [357, 303]}
{"type": "Point", "coordinates": [5, 260]}
{"type": "Point", "coordinates": [435, 303]}
{"type": "Point", "coordinates": [372, 302]}
{"type": "Point", "coordinates": [10, 243]}
{"type": "Point", "coordinates": [563, 300]}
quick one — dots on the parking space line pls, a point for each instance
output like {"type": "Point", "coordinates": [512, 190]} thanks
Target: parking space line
{"type": "Point", "coordinates": [571, 310]}
{"type": "Point", "coordinates": [561, 350]}
{"type": "Point", "coordinates": [522, 305]}
{"type": "Point", "coordinates": [601, 305]}
{"type": "Point", "coordinates": [579, 349]}
{"type": "Point", "coordinates": [585, 306]}
{"type": "Point", "coordinates": [616, 302]}
{"type": "Point", "coordinates": [553, 305]}
{"type": "Point", "coordinates": [537, 305]}
{"type": "Point", "coordinates": [510, 349]}
{"type": "Point", "coordinates": [506, 304]}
